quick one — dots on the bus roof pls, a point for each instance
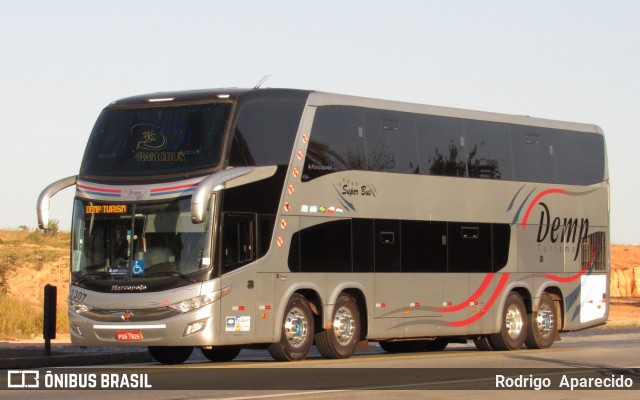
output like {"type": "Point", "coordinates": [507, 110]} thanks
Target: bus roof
{"type": "Point", "coordinates": [323, 99]}
{"type": "Point", "coordinates": [205, 95]}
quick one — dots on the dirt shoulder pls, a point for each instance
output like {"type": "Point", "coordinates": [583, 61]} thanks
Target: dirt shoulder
{"type": "Point", "coordinates": [624, 311]}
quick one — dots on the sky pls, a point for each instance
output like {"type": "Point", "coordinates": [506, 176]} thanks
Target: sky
{"type": "Point", "coordinates": [63, 61]}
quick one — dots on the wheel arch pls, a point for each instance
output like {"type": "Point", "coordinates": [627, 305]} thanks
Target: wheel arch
{"type": "Point", "coordinates": [518, 287]}
{"type": "Point", "coordinates": [315, 302]}
{"type": "Point", "coordinates": [355, 290]}
{"type": "Point", "coordinates": [558, 299]}
{"type": "Point", "coordinates": [361, 302]}
{"type": "Point", "coordinates": [311, 293]}
{"type": "Point", "coordinates": [525, 293]}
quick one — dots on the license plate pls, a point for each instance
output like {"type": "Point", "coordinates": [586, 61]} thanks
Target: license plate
{"type": "Point", "coordinates": [127, 336]}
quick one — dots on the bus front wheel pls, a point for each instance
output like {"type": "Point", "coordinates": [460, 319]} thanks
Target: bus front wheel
{"type": "Point", "coordinates": [513, 330]}
{"type": "Point", "coordinates": [170, 354]}
{"type": "Point", "coordinates": [341, 340]}
{"type": "Point", "coordinates": [221, 354]}
{"type": "Point", "coordinates": [296, 335]}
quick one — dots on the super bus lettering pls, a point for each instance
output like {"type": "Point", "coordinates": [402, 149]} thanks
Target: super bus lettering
{"type": "Point", "coordinates": [352, 188]}
{"type": "Point", "coordinates": [362, 191]}
{"type": "Point", "coordinates": [569, 232]}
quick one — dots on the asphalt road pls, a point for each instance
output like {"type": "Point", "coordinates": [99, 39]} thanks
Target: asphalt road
{"type": "Point", "coordinates": [458, 372]}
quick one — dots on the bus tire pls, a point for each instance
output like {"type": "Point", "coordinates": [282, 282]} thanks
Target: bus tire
{"type": "Point", "coordinates": [437, 344]}
{"type": "Point", "coordinates": [341, 340]}
{"type": "Point", "coordinates": [221, 353]}
{"type": "Point", "coordinates": [482, 343]}
{"type": "Point", "coordinates": [389, 346]}
{"type": "Point", "coordinates": [170, 354]}
{"type": "Point", "coordinates": [543, 324]}
{"type": "Point", "coordinates": [296, 335]}
{"type": "Point", "coordinates": [513, 330]}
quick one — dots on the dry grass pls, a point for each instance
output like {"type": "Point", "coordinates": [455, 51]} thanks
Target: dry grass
{"type": "Point", "coordinates": [19, 319]}
{"type": "Point", "coordinates": [21, 311]}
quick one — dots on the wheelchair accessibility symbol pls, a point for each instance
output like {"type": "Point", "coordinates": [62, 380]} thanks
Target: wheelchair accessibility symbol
{"type": "Point", "coordinates": [138, 267]}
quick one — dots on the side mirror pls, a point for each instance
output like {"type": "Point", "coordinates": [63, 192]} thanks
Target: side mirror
{"type": "Point", "coordinates": [224, 179]}
{"type": "Point", "coordinates": [210, 184]}
{"type": "Point", "coordinates": [43, 200]}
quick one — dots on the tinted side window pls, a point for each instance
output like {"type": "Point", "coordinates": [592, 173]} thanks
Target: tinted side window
{"type": "Point", "coordinates": [265, 230]}
{"type": "Point", "coordinates": [391, 141]}
{"type": "Point", "coordinates": [424, 246]}
{"type": "Point", "coordinates": [501, 237]}
{"type": "Point", "coordinates": [533, 158]}
{"type": "Point", "coordinates": [294, 253]}
{"type": "Point", "coordinates": [336, 142]}
{"type": "Point", "coordinates": [238, 240]}
{"type": "Point", "coordinates": [470, 247]}
{"type": "Point", "coordinates": [326, 247]}
{"type": "Point", "coordinates": [363, 244]}
{"type": "Point", "coordinates": [579, 157]}
{"type": "Point", "coordinates": [387, 245]}
{"type": "Point", "coordinates": [265, 133]}
{"type": "Point", "coordinates": [488, 149]}
{"type": "Point", "coordinates": [440, 145]}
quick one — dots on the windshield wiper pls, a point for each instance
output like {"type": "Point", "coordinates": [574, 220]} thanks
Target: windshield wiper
{"type": "Point", "coordinates": [84, 277]}
{"type": "Point", "coordinates": [168, 273]}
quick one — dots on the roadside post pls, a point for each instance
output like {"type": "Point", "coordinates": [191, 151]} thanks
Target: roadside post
{"type": "Point", "coordinates": [49, 323]}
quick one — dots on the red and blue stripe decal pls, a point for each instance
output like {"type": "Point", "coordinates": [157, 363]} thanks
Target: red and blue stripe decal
{"type": "Point", "coordinates": [119, 192]}
{"type": "Point", "coordinates": [535, 201]}
{"type": "Point", "coordinates": [585, 268]}
{"type": "Point", "coordinates": [475, 296]}
{"type": "Point", "coordinates": [501, 284]}
{"type": "Point", "coordinates": [482, 288]}
{"type": "Point", "coordinates": [180, 189]}
{"type": "Point", "coordinates": [99, 191]}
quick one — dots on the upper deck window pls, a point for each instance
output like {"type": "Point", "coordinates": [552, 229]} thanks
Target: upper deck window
{"type": "Point", "coordinates": [354, 138]}
{"type": "Point", "coordinates": [156, 140]}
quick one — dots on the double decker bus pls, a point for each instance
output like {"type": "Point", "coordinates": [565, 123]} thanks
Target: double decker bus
{"type": "Point", "coordinates": [278, 218]}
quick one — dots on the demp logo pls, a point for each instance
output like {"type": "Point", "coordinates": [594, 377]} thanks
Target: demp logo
{"type": "Point", "coordinates": [553, 229]}
{"type": "Point", "coordinates": [19, 379]}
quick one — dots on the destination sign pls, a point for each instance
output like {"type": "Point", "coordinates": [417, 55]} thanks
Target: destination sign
{"type": "Point", "coordinates": [106, 209]}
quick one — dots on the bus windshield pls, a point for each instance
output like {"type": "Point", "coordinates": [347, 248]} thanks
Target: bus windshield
{"type": "Point", "coordinates": [136, 242]}
{"type": "Point", "coordinates": [149, 141]}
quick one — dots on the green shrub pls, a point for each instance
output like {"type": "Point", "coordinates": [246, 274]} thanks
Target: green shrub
{"type": "Point", "coordinates": [7, 264]}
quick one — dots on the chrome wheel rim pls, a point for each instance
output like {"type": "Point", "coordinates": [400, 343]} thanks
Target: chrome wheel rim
{"type": "Point", "coordinates": [514, 321]}
{"type": "Point", "coordinates": [296, 327]}
{"type": "Point", "coordinates": [544, 320]}
{"type": "Point", "coordinates": [344, 325]}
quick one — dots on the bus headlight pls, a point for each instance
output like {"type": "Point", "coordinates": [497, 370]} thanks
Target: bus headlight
{"type": "Point", "coordinates": [200, 301]}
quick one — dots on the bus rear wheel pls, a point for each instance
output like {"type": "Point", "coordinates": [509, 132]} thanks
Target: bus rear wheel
{"type": "Point", "coordinates": [170, 354]}
{"type": "Point", "coordinates": [543, 324]}
{"type": "Point", "coordinates": [437, 344]}
{"type": "Point", "coordinates": [341, 340]}
{"type": "Point", "coordinates": [221, 354]}
{"type": "Point", "coordinates": [296, 336]}
{"type": "Point", "coordinates": [513, 330]}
